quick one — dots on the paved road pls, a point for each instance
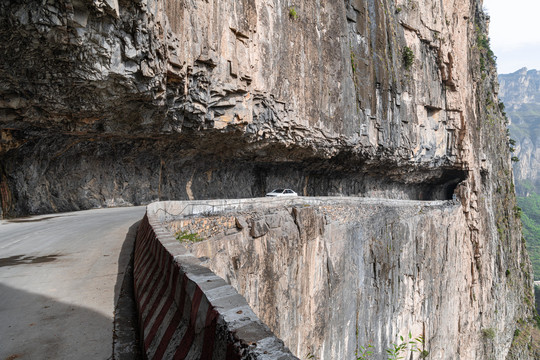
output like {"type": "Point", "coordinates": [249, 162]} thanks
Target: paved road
{"type": "Point", "coordinates": [60, 276]}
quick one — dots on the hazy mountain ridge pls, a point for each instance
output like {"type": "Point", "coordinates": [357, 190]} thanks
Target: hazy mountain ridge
{"type": "Point", "coordinates": [520, 92]}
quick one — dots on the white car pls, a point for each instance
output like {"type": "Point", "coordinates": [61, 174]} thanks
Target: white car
{"type": "Point", "coordinates": [282, 192]}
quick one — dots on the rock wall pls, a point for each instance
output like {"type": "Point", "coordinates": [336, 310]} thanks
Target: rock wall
{"type": "Point", "coordinates": [329, 279]}
{"type": "Point", "coordinates": [329, 276]}
{"type": "Point", "coordinates": [119, 97]}
{"type": "Point", "coordinates": [123, 102]}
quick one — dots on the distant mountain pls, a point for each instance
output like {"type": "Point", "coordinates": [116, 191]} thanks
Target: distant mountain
{"type": "Point", "coordinates": [520, 87]}
{"type": "Point", "coordinates": [520, 92]}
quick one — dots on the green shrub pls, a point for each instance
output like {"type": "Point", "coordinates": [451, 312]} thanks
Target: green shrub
{"type": "Point", "coordinates": [364, 352]}
{"type": "Point", "coordinates": [489, 333]}
{"type": "Point", "coordinates": [517, 211]}
{"type": "Point", "coordinates": [408, 57]}
{"type": "Point", "coordinates": [484, 46]}
{"type": "Point", "coordinates": [395, 351]}
{"type": "Point", "coordinates": [293, 14]}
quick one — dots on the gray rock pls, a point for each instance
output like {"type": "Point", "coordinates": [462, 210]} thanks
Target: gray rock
{"type": "Point", "coordinates": [258, 228]}
{"type": "Point", "coordinates": [230, 99]}
{"type": "Point", "coordinates": [241, 222]}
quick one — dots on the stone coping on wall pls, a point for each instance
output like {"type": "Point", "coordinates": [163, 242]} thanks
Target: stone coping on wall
{"type": "Point", "coordinates": [185, 309]}
{"type": "Point", "coordinates": [165, 211]}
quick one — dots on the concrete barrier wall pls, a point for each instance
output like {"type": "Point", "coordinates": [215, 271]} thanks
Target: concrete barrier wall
{"type": "Point", "coordinates": [185, 310]}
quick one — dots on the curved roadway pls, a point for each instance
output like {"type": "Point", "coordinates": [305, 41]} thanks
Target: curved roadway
{"type": "Point", "coordinates": [60, 277]}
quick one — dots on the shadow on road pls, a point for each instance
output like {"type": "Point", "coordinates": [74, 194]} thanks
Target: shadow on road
{"type": "Point", "coordinates": [126, 335]}
{"type": "Point", "coordinates": [34, 326]}
{"type": "Point", "coordinates": [25, 259]}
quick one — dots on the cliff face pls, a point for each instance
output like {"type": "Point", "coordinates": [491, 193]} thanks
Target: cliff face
{"type": "Point", "coordinates": [331, 276]}
{"type": "Point", "coordinates": [146, 100]}
{"type": "Point", "coordinates": [520, 92]}
{"type": "Point", "coordinates": [124, 102]}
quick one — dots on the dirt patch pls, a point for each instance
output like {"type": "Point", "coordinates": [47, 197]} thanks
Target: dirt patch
{"type": "Point", "coordinates": [13, 357]}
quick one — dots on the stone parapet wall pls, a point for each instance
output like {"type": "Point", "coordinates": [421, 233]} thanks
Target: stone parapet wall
{"type": "Point", "coordinates": [186, 311]}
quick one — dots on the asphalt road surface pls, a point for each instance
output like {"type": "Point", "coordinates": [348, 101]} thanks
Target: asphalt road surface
{"type": "Point", "coordinates": [60, 278]}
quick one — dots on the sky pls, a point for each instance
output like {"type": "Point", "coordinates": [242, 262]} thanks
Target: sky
{"type": "Point", "coordinates": [514, 31]}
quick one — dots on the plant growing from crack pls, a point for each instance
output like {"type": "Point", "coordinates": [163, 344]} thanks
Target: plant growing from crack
{"type": "Point", "coordinates": [488, 333]}
{"type": "Point", "coordinates": [397, 350]}
{"type": "Point", "coordinates": [364, 352]}
{"type": "Point", "coordinates": [293, 14]}
{"type": "Point", "coordinates": [186, 236]}
{"type": "Point", "coordinates": [408, 57]}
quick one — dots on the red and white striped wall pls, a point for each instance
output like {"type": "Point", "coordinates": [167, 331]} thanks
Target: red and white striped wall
{"type": "Point", "coordinates": [188, 312]}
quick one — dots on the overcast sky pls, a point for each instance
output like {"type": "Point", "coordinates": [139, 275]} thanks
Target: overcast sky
{"type": "Point", "coordinates": [515, 33]}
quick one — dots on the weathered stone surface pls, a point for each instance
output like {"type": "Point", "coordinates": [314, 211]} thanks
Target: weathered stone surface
{"type": "Point", "coordinates": [108, 103]}
{"type": "Point", "coordinates": [273, 220]}
{"type": "Point", "coordinates": [258, 228]}
{"type": "Point", "coordinates": [346, 273]}
{"type": "Point", "coordinates": [310, 225]}
{"type": "Point", "coordinates": [241, 222]}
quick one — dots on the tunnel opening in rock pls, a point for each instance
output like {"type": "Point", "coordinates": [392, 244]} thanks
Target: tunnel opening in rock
{"type": "Point", "coordinates": [319, 179]}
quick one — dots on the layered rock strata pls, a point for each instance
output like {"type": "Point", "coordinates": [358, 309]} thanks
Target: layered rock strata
{"type": "Point", "coordinates": [123, 102]}
{"type": "Point", "coordinates": [119, 97]}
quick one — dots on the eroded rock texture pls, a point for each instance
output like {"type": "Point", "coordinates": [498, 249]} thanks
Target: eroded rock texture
{"type": "Point", "coordinates": [109, 103]}
{"type": "Point", "coordinates": [123, 102]}
{"type": "Point", "coordinates": [332, 277]}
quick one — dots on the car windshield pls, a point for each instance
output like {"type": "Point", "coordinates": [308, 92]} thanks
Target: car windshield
{"type": "Point", "coordinates": [278, 191]}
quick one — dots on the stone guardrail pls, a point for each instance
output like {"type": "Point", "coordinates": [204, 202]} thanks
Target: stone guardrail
{"type": "Point", "coordinates": [165, 211]}
{"type": "Point", "coordinates": [185, 310]}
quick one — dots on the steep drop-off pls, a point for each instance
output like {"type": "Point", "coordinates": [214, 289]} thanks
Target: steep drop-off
{"type": "Point", "coordinates": [520, 92]}
{"type": "Point", "coordinates": [122, 102]}
{"type": "Point", "coordinates": [329, 276]}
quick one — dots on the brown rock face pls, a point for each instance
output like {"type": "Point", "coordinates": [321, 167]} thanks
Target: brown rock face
{"type": "Point", "coordinates": [351, 272]}
{"type": "Point", "coordinates": [134, 102]}
{"type": "Point", "coordinates": [125, 102]}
